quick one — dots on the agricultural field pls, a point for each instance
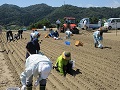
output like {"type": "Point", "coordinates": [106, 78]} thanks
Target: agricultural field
{"type": "Point", "coordinates": [95, 69]}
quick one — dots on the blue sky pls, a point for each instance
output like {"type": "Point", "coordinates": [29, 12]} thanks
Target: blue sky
{"type": "Point", "coordinates": [58, 3]}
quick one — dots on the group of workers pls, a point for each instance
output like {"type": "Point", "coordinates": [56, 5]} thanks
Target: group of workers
{"type": "Point", "coordinates": [40, 66]}
{"type": "Point", "coordinates": [10, 37]}
{"type": "Point", "coordinates": [54, 34]}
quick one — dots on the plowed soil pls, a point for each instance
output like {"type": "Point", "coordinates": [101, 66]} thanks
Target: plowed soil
{"type": "Point", "coordinates": [95, 69]}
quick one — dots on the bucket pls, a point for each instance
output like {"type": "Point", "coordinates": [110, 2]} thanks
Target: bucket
{"type": "Point", "coordinates": [67, 42]}
{"type": "Point", "coordinates": [13, 88]}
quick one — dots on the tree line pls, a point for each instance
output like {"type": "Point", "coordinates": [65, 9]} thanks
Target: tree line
{"type": "Point", "coordinates": [41, 14]}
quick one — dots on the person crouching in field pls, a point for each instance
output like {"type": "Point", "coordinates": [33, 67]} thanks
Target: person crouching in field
{"type": "Point", "coordinates": [9, 35]}
{"type": "Point", "coordinates": [16, 37]}
{"type": "Point", "coordinates": [64, 63]}
{"type": "Point", "coordinates": [98, 37]}
{"type": "Point", "coordinates": [68, 34]}
{"type": "Point", "coordinates": [39, 66]}
{"type": "Point", "coordinates": [56, 35]}
{"type": "Point", "coordinates": [20, 32]}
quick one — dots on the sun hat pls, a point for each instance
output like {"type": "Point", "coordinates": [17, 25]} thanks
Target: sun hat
{"type": "Point", "coordinates": [66, 55]}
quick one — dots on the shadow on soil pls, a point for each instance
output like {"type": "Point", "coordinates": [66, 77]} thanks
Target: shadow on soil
{"type": "Point", "coordinates": [74, 72]}
{"type": "Point", "coordinates": [107, 47]}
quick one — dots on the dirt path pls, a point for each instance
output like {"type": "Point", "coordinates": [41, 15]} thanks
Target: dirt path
{"type": "Point", "coordinates": [96, 69]}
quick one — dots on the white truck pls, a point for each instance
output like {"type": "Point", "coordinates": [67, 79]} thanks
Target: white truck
{"type": "Point", "coordinates": [88, 25]}
{"type": "Point", "coordinates": [112, 23]}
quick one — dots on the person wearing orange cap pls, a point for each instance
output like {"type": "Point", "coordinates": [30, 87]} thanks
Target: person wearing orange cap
{"type": "Point", "coordinates": [64, 63]}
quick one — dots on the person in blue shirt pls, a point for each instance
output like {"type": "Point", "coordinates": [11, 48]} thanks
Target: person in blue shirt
{"type": "Point", "coordinates": [37, 45]}
{"type": "Point", "coordinates": [56, 34]}
{"type": "Point", "coordinates": [51, 32]}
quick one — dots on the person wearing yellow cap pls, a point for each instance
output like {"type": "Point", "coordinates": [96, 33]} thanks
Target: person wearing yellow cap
{"type": "Point", "coordinates": [64, 63]}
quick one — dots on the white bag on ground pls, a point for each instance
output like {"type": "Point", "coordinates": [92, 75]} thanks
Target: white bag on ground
{"type": "Point", "coordinates": [72, 62]}
{"type": "Point", "coordinates": [73, 65]}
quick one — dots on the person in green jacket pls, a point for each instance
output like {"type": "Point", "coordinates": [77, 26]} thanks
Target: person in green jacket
{"type": "Point", "coordinates": [64, 63]}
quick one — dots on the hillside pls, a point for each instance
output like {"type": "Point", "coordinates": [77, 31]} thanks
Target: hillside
{"type": "Point", "coordinates": [24, 16]}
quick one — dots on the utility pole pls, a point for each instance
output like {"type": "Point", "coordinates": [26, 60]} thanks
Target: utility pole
{"type": "Point", "coordinates": [116, 27]}
{"type": "Point", "coordinates": [64, 2]}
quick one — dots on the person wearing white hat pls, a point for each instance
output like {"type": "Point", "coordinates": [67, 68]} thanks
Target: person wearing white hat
{"type": "Point", "coordinates": [37, 65]}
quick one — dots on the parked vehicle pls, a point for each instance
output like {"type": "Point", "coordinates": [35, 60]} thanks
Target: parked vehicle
{"type": "Point", "coordinates": [112, 23]}
{"type": "Point", "coordinates": [24, 29]}
{"type": "Point", "coordinates": [69, 22]}
{"type": "Point", "coordinates": [88, 25]}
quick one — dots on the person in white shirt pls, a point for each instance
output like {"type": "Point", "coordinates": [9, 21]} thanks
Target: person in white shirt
{"type": "Point", "coordinates": [85, 24]}
{"type": "Point", "coordinates": [39, 66]}
{"type": "Point", "coordinates": [68, 33]}
{"type": "Point", "coordinates": [34, 34]}
{"type": "Point", "coordinates": [58, 24]}
{"type": "Point", "coordinates": [44, 28]}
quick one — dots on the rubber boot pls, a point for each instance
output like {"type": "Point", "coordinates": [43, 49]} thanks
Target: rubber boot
{"type": "Point", "coordinates": [29, 88]}
{"type": "Point", "coordinates": [69, 68]}
{"type": "Point", "coordinates": [42, 87]}
{"type": "Point", "coordinates": [95, 45]}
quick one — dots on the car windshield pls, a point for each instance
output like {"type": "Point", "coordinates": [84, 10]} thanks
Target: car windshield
{"type": "Point", "coordinates": [109, 20]}
{"type": "Point", "coordinates": [71, 21]}
{"type": "Point", "coordinates": [81, 21]}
